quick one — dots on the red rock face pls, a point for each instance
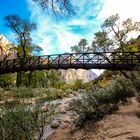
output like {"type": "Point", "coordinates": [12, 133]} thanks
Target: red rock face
{"type": "Point", "coordinates": [6, 48]}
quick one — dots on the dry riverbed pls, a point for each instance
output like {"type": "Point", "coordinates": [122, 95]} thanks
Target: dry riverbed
{"type": "Point", "coordinates": [122, 125]}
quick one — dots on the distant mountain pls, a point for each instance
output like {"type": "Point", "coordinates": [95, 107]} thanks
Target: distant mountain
{"type": "Point", "coordinates": [70, 75]}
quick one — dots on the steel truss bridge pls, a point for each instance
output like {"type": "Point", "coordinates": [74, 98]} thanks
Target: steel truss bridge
{"type": "Point", "coordinates": [129, 61]}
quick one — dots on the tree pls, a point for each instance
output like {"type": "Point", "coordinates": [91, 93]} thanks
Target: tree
{"type": "Point", "coordinates": [57, 6]}
{"type": "Point", "coordinates": [101, 42]}
{"type": "Point", "coordinates": [133, 44]}
{"type": "Point", "coordinates": [82, 44]}
{"type": "Point", "coordinates": [120, 31]}
{"type": "Point", "coordinates": [22, 29]}
{"type": "Point", "coordinates": [42, 78]}
{"type": "Point", "coordinates": [81, 47]}
{"type": "Point", "coordinates": [75, 49]}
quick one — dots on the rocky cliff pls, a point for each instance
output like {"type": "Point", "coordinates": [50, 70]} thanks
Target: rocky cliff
{"type": "Point", "coordinates": [6, 48]}
{"type": "Point", "coordinates": [72, 74]}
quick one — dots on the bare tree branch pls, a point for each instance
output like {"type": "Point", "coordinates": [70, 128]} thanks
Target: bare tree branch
{"type": "Point", "coordinates": [57, 6]}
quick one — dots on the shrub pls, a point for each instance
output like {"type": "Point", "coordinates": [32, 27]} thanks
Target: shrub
{"type": "Point", "coordinates": [95, 105]}
{"type": "Point", "coordinates": [7, 80]}
{"type": "Point", "coordinates": [83, 91]}
{"type": "Point", "coordinates": [1, 94]}
{"type": "Point", "coordinates": [45, 94]}
{"type": "Point", "coordinates": [69, 91]}
{"type": "Point", "coordinates": [117, 89]}
{"type": "Point", "coordinates": [78, 84]}
{"type": "Point", "coordinates": [136, 84]}
{"type": "Point", "coordinates": [22, 92]}
{"type": "Point", "coordinates": [24, 122]}
{"type": "Point", "coordinates": [53, 93]}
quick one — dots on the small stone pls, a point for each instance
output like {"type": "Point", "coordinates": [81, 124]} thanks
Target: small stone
{"type": "Point", "coordinates": [62, 110]}
{"type": "Point", "coordinates": [64, 125]}
{"type": "Point", "coordinates": [55, 124]}
{"type": "Point", "coordinates": [71, 95]}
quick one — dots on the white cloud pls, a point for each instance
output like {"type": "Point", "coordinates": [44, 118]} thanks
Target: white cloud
{"type": "Point", "coordinates": [125, 9]}
{"type": "Point", "coordinates": [57, 36]}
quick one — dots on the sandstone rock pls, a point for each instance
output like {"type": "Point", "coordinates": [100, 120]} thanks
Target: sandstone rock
{"type": "Point", "coordinates": [55, 124]}
{"type": "Point", "coordinates": [70, 75]}
{"type": "Point", "coordinates": [62, 110]}
{"type": "Point", "coordinates": [71, 95]}
{"type": "Point", "coordinates": [64, 125]}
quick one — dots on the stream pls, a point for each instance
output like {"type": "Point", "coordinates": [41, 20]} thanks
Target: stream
{"type": "Point", "coordinates": [63, 114]}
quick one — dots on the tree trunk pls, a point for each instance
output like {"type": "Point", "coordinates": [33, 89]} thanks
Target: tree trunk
{"type": "Point", "coordinates": [30, 78]}
{"type": "Point", "coordinates": [18, 79]}
{"type": "Point", "coordinates": [24, 52]}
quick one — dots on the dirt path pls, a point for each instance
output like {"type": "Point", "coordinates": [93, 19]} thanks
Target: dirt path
{"type": "Point", "coordinates": [123, 125]}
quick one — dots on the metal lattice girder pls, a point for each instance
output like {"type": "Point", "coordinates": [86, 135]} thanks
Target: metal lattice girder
{"type": "Point", "coordinates": [94, 60]}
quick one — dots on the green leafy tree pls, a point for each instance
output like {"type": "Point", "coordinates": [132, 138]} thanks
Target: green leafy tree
{"type": "Point", "coordinates": [82, 44]}
{"type": "Point", "coordinates": [101, 42]}
{"type": "Point", "coordinates": [133, 45]}
{"type": "Point", "coordinates": [81, 47]}
{"type": "Point", "coordinates": [75, 49]}
{"type": "Point", "coordinates": [120, 30]}
{"type": "Point", "coordinates": [22, 29]}
{"type": "Point", "coordinates": [42, 78]}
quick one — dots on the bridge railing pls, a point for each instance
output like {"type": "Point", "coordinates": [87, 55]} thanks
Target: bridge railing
{"type": "Point", "coordinates": [97, 58]}
{"type": "Point", "coordinates": [76, 60]}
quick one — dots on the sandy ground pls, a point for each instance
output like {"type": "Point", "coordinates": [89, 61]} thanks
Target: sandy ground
{"type": "Point", "coordinates": [123, 125]}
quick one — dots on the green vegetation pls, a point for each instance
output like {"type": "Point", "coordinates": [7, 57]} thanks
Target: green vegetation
{"type": "Point", "coordinates": [25, 112]}
{"type": "Point", "coordinates": [136, 84]}
{"type": "Point", "coordinates": [95, 105]}
{"type": "Point", "coordinates": [22, 29]}
{"type": "Point", "coordinates": [24, 122]}
{"type": "Point", "coordinates": [38, 79]}
{"type": "Point", "coordinates": [32, 94]}
{"type": "Point", "coordinates": [81, 47]}
{"type": "Point", "coordinates": [7, 80]}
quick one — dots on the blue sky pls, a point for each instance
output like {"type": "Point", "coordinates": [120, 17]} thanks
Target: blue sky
{"type": "Point", "coordinates": [57, 35]}
{"type": "Point", "coordinates": [12, 7]}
